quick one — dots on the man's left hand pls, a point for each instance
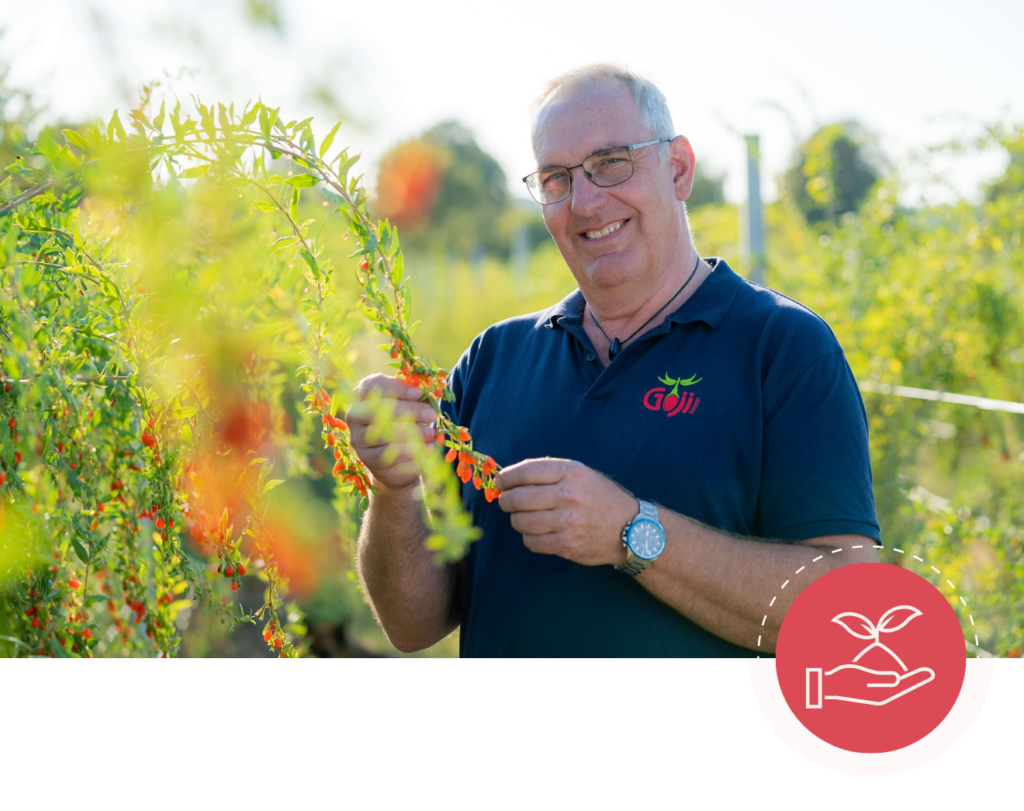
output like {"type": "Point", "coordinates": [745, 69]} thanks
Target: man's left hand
{"type": "Point", "coordinates": [565, 508]}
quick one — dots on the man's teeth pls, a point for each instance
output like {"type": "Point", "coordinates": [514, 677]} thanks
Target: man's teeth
{"type": "Point", "coordinates": [615, 226]}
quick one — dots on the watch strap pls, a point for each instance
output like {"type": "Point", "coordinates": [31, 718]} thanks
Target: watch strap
{"type": "Point", "coordinates": [635, 564]}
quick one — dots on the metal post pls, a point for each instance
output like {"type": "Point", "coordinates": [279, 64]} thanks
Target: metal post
{"type": "Point", "coordinates": [754, 220]}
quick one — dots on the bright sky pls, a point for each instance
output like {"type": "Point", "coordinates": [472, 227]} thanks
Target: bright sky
{"type": "Point", "coordinates": [914, 72]}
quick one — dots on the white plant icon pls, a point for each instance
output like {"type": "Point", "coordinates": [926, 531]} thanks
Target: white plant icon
{"type": "Point", "coordinates": [901, 614]}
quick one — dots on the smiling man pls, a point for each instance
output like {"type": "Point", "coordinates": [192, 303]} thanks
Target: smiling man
{"type": "Point", "coordinates": [684, 451]}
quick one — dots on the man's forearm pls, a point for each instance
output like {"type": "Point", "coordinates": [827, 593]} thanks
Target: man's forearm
{"type": "Point", "coordinates": [414, 600]}
{"type": "Point", "coordinates": [725, 584]}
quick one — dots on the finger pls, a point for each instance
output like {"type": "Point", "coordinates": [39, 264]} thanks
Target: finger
{"type": "Point", "coordinates": [531, 497]}
{"type": "Point", "coordinates": [538, 522]}
{"type": "Point", "coordinates": [384, 457]}
{"type": "Point", "coordinates": [533, 471]}
{"type": "Point", "coordinates": [379, 387]}
{"type": "Point", "coordinates": [548, 543]}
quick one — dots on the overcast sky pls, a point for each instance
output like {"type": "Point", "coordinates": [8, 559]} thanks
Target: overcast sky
{"type": "Point", "coordinates": [914, 72]}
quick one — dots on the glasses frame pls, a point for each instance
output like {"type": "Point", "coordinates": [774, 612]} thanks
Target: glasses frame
{"type": "Point", "coordinates": [568, 169]}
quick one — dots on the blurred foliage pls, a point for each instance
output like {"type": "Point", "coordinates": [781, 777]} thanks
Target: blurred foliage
{"type": "Point", "coordinates": [927, 297]}
{"type": "Point", "coordinates": [708, 189]}
{"type": "Point", "coordinates": [833, 171]}
{"type": "Point", "coordinates": [450, 198]}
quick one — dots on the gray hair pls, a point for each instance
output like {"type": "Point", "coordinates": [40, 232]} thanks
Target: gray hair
{"type": "Point", "coordinates": [650, 102]}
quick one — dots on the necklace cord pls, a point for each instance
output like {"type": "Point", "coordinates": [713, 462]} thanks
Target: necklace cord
{"type": "Point", "coordinates": [616, 344]}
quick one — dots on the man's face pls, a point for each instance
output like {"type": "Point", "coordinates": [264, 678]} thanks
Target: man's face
{"type": "Point", "coordinates": [644, 210]}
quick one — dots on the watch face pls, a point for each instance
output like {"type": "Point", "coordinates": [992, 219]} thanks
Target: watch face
{"type": "Point", "coordinates": [646, 539]}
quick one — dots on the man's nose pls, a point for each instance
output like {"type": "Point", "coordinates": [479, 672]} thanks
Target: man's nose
{"type": "Point", "coordinates": [587, 196]}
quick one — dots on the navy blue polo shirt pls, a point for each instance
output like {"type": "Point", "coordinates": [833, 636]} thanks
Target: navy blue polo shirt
{"type": "Point", "coordinates": [738, 410]}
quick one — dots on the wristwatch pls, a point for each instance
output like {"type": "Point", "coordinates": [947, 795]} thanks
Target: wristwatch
{"type": "Point", "coordinates": [644, 539]}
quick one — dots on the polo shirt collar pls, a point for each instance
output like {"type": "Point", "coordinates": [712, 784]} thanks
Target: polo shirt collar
{"type": "Point", "coordinates": [709, 304]}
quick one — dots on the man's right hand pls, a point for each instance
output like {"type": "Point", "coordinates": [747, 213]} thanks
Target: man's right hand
{"type": "Point", "coordinates": [390, 463]}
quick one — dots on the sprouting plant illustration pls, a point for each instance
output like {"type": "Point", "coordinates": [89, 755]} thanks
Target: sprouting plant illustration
{"type": "Point", "coordinates": [676, 382]}
{"type": "Point", "coordinates": [884, 626]}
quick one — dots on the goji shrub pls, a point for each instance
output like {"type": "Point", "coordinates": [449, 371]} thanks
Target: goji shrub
{"type": "Point", "coordinates": [162, 295]}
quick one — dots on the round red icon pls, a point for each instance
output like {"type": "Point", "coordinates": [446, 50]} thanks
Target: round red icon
{"type": "Point", "coordinates": [870, 657]}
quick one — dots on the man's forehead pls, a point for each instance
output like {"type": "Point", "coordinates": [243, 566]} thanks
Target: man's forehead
{"type": "Point", "coordinates": [576, 122]}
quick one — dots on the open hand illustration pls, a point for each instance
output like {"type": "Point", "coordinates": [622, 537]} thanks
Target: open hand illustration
{"type": "Point", "coordinates": [864, 685]}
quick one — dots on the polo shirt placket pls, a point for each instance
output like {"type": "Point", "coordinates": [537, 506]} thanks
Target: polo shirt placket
{"type": "Point", "coordinates": [738, 410]}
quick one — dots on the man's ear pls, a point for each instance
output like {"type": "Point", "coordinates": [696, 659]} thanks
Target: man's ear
{"type": "Point", "coordinates": [683, 163]}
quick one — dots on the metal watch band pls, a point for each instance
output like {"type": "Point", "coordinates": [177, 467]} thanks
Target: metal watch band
{"type": "Point", "coordinates": [635, 565]}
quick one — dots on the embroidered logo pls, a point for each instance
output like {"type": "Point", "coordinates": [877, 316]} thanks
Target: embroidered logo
{"type": "Point", "coordinates": [673, 403]}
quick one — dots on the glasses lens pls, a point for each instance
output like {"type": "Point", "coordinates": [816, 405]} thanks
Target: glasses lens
{"type": "Point", "coordinates": [609, 167]}
{"type": "Point", "coordinates": [549, 185]}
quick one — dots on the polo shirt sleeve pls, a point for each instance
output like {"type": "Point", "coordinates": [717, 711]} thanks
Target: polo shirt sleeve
{"type": "Point", "coordinates": [816, 463]}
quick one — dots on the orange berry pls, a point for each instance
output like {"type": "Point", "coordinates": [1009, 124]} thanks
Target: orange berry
{"type": "Point", "coordinates": [267, 634]}
{"type": "Point", "coordinates": [439, 439]}
{"type": "Point", "coordinates": [330, 439]}
{"type": "Point", "coordinates": [234, 585]}
{"type": "Point", "coordinates": [478, 482]}
{"type": "Point", "coordinates": [450, 456]}
{"type": "Point", "coordinates": [338, 467]}
{"type": "Point", "coordinates": [75, 583]}
{"type": "Point", "coordinates": [464, 435]}
{"type": "Point", "coordinates": [278, 643]}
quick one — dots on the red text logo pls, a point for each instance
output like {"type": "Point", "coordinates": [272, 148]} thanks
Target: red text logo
{"type": "Point", "coordinates": [672, 402]}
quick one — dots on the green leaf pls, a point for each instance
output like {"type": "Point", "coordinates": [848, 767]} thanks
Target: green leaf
{"type": "Point", "coordinates": [92, 599]}
{"type": "Point", "coordinates": [270, 485]}
{"type": "Point", "coordinates": [328, 139]}
{"type": "Point", "coordinates": [158, 122]}
{"type": "Point", "coordinates": [79, 549]}
{"type": "Point", "coordinates": [263, 205]}
{"type": "Point", "coordinates": [115, 127]}
{"type": "Point", "coordinates": [77, 141]}
{"type": "Point", "coordinates": [185, 412]}
{"type": "Point", "coordinates": [58, 649]}
{"type": "Point", "coordinates": [195, 171]}
{"type": "Point", "coordinates": [302, 181]}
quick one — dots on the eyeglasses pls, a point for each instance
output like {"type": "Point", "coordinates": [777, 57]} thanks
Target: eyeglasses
{"type": "Point", "coordinates": [609, 167]}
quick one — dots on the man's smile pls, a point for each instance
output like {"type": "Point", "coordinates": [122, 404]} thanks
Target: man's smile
{"type": "Point", "coordinates": [603, 233]}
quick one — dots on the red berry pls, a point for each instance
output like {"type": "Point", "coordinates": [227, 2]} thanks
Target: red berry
{"type": "Point", "coordinates": [101, 506]}
{"type": "Point", "coordinates": [87, 633]}
{"type": "Point", "coordinates": [17, 457]}
{"type": "Point", "coordinates": [234, 585]}
{"type": "Point", "coordinates": [35, 622]}
{"type": "Point", "coordinates": [159, 523]}
{"type": "Point", "coordinates": [229, 572]}
{"type": "Point", "coordinates": [267, 634]}
{"type": "Point", "coordinates": [13, 423]}
{"type": "Point", "coordinates": [278, 643]}
{"type": "Point", "coordinates": [241, 569]}
{"type": "Point", "coordinates": [75, 583]}
{"type": "Point", "coordinates": [3, 478]}
{"type": "Point", "coordinates": [364, 265]}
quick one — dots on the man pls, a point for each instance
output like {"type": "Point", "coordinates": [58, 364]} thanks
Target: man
{"type": "Point", "coordinates": [679, 445]}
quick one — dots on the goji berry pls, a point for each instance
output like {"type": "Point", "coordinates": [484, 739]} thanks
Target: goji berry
{"type": "Point", "coordinates": [17, 457]}
{"type": "Point", "coordinates": [364, 265]}
{"type": "Point", "coordinates": [229, 572]}
{"type": "Point", "coordinates": [330, 439]}
{"type": "Point", "coordinates": [451, 455]}
{"type": "Point", "coordinates": [159, 523]}
{"type": "Point", "coordinates": [75, 583]}
{"type": "Point", "coordinates": [278, 643]}
{"type": "Point", "coordinates": [12, 423]}
{"type": "Point", "coordinates": [241, 569]}
{"type": "Point", "coordinates": [267, 634]}
{"type": "Point", "coordinates": [439, 439]}
{"type": "Point", "coordinates": [477, 482]}
{"type": "Point", "coordinates": [234, 585]}
{"type": "Point", "coordinates": [464, 435]}
{"type": "Point", "coordinates": [3, 478]}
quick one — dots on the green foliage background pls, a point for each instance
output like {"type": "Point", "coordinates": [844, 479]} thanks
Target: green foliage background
{"type": "Point", "coordinates": [927, 297]}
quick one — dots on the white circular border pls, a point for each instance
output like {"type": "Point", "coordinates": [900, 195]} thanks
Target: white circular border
{"type": "Point", "coordinates": [973, 692]}
{"type": "Point", "coordinates": [977, 679]}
